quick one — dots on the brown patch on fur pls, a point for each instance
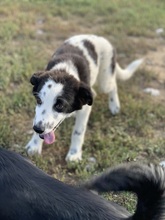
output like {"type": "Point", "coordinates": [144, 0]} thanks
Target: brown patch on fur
{"type": "Point", "coordinates": [113, 61]}
{"type": "Point", "coordinates": [43, 112]}
{"type": "Point", "coordinates": [77, 133]}
{"type": "Point", "coordinates": [73, 54]}
{"type": "Point", "coordinates": [91, 50]}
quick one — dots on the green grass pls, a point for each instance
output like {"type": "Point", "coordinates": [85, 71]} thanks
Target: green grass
{"type": "Point", "coordinates": [136, 134]}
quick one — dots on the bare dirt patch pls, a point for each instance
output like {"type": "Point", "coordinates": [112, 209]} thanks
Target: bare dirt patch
{"type": "Point", "coordinates": [154, 62]}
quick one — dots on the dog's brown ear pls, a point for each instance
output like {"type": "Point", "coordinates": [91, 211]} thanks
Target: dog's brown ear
{"type": "Point", "coordinates": [85, 94]}
{"type": "Point", "coordinates": [35, 78]}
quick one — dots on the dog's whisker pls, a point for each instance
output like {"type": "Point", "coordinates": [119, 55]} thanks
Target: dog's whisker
{"type": "Point", "coordinates": [59, 124]}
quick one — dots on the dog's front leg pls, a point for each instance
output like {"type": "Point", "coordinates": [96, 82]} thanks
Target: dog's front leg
{"type": "Point", "coordinates": [77, 140]}
{"type": "Point", "coordinates": [35, 145]}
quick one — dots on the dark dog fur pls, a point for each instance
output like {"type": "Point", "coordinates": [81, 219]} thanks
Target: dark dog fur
{"type": "Point", "coordinates": [27, 193]}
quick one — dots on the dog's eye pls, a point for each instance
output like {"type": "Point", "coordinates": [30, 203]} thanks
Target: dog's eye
{"type": "Point", "coordinates": [58, 106]}
{"type": "Point", "coordinates": [39, 102]}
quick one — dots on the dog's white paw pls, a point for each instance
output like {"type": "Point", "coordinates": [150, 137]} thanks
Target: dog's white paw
{"type": "Point", "coordinates": [162, 163]}
{"type": "Point", "coordinates": [115, 109]}
{"type": "Point", "coordinates": [33, 149]}
{"type": "Point", "coordinates": [114, 104]}
{"type": "Point", "coordinates": [73, 156]}
{"type": "Point", "coordinates": [35, 145]}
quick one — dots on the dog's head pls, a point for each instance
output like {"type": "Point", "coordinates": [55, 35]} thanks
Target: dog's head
{"type": "Point", "coordinates": [58, 95]}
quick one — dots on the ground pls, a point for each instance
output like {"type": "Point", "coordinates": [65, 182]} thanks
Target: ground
{"type": "Point", "coordinates": [29, 34]}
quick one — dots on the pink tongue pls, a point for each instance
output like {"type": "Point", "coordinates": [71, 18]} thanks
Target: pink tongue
{"type": "Point", "coordinates": [49, 138]}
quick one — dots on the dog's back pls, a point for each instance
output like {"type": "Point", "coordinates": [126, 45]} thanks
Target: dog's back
{"type": "Point", "coordinates": [27, 193]}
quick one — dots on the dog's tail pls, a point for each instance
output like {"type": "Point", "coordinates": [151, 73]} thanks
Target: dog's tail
{"type": "Point", "coordinates": [125, 74]}
{"type": "Point", "coordinates": [147, 181]}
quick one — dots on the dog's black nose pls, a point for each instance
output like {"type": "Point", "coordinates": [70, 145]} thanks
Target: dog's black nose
{"type": "Point", "coordinates": [37, 129]}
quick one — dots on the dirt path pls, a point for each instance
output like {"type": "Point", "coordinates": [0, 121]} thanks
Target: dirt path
{"type": "Point", "coordinates": [155, 62]}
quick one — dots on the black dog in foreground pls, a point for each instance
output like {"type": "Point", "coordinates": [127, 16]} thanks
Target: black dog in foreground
{"type": "Point", "coordinates": [27, 193]}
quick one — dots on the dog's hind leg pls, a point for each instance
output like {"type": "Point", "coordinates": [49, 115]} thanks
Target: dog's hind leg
{"type": "Point", "coordinates": [114, 103]}
{"type": "Point", "coordinates": [77, 140]}
{"type": "Point", "coordinates": [35, 145]}
{"type": "Point", "coordinates": [108, 85]}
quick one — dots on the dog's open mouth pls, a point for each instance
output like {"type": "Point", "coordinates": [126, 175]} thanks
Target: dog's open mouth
{"type": "Point", "coordinates": [49, 138]}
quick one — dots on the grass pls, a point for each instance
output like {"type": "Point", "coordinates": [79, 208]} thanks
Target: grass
{"type": "Point", "coordinates": [29, 32]}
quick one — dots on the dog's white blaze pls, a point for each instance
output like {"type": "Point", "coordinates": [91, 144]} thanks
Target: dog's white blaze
{"type": "Point", "coordinates": [44, 112]}
{"type": "Point", "coordinates": [68, 67]}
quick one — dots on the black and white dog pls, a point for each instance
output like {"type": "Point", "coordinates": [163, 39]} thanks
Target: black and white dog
{"type": "Point", "coordinates": [65, 87]}
{"type": "Point", "coordinates": [27, 193]}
